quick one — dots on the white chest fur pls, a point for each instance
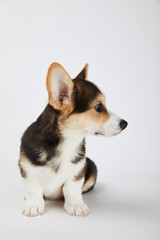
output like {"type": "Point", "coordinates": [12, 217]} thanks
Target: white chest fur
{"type": "Point", "coordinates": [50, 180]}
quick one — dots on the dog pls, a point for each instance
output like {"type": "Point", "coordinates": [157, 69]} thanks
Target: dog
{"type": "Point", "coordinates": [52, 160]}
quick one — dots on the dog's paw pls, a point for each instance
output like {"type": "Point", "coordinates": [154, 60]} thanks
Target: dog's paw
{"type": "Point", "coordinates": [77, 209]}
{"type": "Point", "coordinates": [33, 208]}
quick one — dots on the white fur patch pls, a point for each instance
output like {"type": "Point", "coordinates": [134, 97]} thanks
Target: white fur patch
{"type": "Point", "coordinates": [112, 127]}
{"type": "Point", "coordinates": [43, 180]}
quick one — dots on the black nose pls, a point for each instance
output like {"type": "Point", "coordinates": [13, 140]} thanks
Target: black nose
{"type": "Point", "coordinates": [123, 124]}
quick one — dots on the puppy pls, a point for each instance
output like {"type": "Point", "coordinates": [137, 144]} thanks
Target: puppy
{"type": "Point", "coordinates": [52, 153]}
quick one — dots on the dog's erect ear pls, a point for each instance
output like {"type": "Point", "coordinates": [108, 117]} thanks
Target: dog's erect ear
{"type": "Point", "coordinates": [59, 86]}
{"type": "Point", "coordinates": [84, 73]}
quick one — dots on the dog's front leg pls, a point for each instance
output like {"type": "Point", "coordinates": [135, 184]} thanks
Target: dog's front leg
{"type": "Point", "coordinates": [74, 204]}
{"type": "Point", "coordinates": [34, 202]}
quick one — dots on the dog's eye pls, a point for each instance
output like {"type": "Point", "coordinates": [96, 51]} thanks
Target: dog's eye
{"type": "Point", "coordinates": [99, 107]}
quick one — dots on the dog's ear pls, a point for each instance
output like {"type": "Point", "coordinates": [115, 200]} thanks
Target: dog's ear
{"type": "Point", "coordinates": [59, 86]}
{"type": "Point", "coordinates": [84, 73]}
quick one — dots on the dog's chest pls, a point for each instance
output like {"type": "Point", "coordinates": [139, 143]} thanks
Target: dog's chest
{"type": "Point", "coordinates": [60, 169]}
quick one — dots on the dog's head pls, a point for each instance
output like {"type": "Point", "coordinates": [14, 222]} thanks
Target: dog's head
{"type": "Point", "coordinates": [81, 105]}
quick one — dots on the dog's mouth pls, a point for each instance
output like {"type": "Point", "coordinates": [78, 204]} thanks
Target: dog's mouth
{"type": "Point", "coordinates": [117, 132]}
{"type": "Point", "coordinates": [112, 130]}
{"type": "Point", "coordinates": [99, 133]}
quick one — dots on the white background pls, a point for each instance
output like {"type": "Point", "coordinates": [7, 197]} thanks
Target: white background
{"type": "Point", "coordinates": [121, 42]}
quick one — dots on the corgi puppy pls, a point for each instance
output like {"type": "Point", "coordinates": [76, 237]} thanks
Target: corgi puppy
{"type": "Point", "coordinates": [52, 160]}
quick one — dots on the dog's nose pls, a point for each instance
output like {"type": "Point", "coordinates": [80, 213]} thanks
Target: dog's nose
{"type": "Point", "coordinates": [123, 124]}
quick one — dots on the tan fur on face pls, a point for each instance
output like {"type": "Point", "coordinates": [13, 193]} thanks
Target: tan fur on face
{"type": "Point", "coordinates": [99, 117]}
{"type": "Point", "coordinates": [99, 99]}
{"type": "Point", "coordinates": [89, 118]}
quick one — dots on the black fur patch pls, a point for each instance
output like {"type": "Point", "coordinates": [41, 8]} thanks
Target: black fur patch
{"type": "Point", "coordinates": [42, 136]}
{"type": "Point", "coordinates": [81, 153]}
{"type": "Point", "coordinates": [85, 94]}
{"type": "Point", "coordinates": [82, 74]}
{"type": "Point", "coordinates": [91, 171]}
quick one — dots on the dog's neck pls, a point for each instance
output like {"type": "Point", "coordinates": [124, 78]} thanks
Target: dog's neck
{"type": "Point", "coordinates": [73, 136]}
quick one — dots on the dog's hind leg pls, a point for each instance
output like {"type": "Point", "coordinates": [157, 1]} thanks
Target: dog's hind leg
{"type": "Point", "coordinates": [90, 176]}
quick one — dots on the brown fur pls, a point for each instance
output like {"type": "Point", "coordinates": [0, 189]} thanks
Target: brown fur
{"type": "Point", "coordinates": [66, 108]}
{"type": "Point", "coordinates": [22, 171]}
{"type": "Point", "coordinates": [80, 174]}
{"type": "Point", "coordinates": [88, 184]}
{"type": "Point", "coordinates": [80, 120]}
